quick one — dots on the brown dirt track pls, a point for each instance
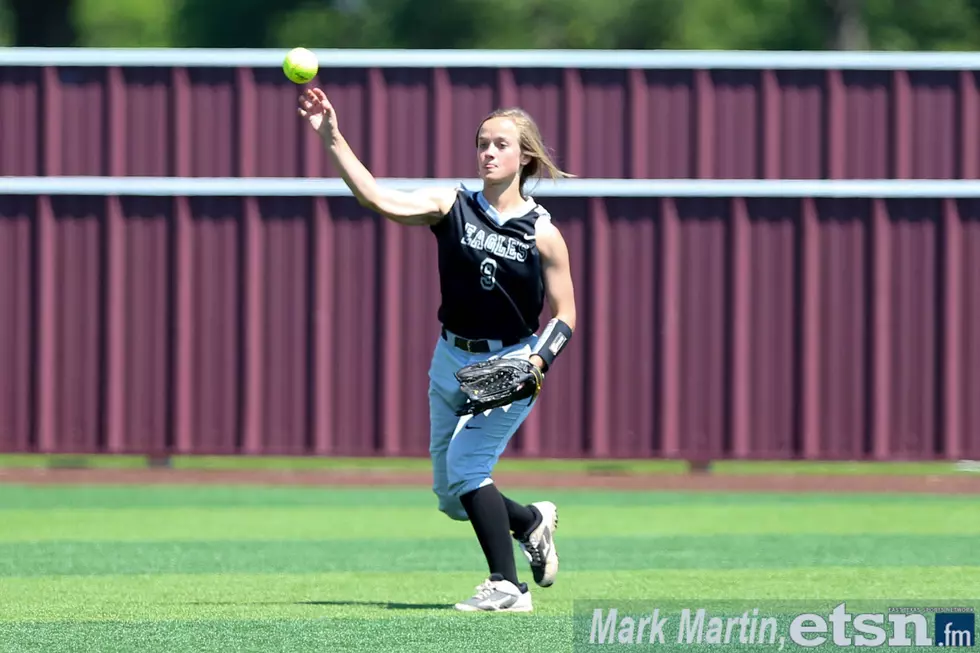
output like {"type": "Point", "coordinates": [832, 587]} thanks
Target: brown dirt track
{"type": "Point", "coordinates": [933, 484]}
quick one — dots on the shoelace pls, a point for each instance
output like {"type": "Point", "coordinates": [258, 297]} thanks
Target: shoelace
{"type": "Point", "coordinates": [534, 551]}
{"type": "Point", "coordinates": [483, 590]}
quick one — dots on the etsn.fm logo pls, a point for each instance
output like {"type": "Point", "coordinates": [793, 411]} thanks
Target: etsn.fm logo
{"type": "Point", "coordinates": [954, 629]}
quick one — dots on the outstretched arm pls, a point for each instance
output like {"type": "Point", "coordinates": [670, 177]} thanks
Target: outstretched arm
{"type": "Point", "coordinates": [421, 207]}
{"type": "Point", "coordinates": [559, 291]}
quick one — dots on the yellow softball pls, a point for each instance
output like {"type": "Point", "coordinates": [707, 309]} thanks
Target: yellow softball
{"type": "Point", "coordinates": [300, 65]}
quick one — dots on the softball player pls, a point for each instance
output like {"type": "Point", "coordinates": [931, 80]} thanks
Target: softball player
{"type": "Point", "coordinates": [500, 257]}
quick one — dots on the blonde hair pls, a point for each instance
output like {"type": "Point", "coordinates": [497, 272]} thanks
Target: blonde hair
{"type": "Point", "coordinates": [532, 144]}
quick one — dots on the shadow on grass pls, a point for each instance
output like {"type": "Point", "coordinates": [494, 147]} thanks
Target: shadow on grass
{"type": "Point", "coordinates": [383, 604]}
{"type": "Point", "coordinates": [370, 604]}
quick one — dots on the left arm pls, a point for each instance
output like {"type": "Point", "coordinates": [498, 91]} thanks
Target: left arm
{"type": "Point", "coordinates": [558, 289]}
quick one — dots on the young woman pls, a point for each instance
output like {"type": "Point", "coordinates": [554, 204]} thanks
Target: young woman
{"type": "Point", "coordinates": [500, 257]}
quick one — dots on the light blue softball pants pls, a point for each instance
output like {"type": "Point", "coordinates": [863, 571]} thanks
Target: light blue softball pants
{"type": "Point", "coordinates": [465, 449]}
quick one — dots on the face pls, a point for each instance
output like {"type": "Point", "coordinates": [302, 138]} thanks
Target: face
{"type": "Point", "coordinates": [498, 150]}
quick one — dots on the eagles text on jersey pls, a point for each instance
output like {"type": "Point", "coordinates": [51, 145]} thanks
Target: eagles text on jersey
{"type": "Point", "coordinates": [490, 270]}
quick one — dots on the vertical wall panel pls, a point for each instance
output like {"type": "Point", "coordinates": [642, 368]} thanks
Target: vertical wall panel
{"type": "Point", "coordinates": [702, 323]}
{"type": "Point", "coordinates": [45, 316]}
{"type": "Point", "coordinates": [632, 290]}
{"type": "Point", "coordinates": [950, 332]}
{"type": "Point", "coordinates": [322, 292]}
{"type": "Point", "coordinates": [145, 327]}
{"type": "Point", "coordinates": [82, 112]}
{"type": "Point", "coordinates": [216, 354]}
{"type": "Point", "coordinates": [214, 143]}
{"type": "Point", "coordinates": [736, 124]}
{"type": "Point", "coordinates": [408, 123]}
{"type": "Point", "coordinates": [597, 262]}
{"type": "Point", "coordinates": [969, 313]}
{"type": "Point", "coordinates": [353, 351]}
{"type": "Point", "coordinates": [605, 104]}
{"type": "Point", "coordinates": [20, 127]}
{"type": "Point", "coordinates": [670, 123]}
{"type": "Point", "coordinates": [148, 132]}
{"type": "Point", "coordinates": [17, 280]}
{"type": "Point", "coordinates": [843, 330]}
{"type": "Point", "coordinates": [933, 130]}
{"type": "Point", "coordinates": [968, 125]}
{"type": "Point", "coordinates": [771, 310]}
{"type": "Point", "coordinates": [283, 298]}
{"type": "Point", "coordinates": [253, 406]}
{"type": "Point", "coordinates": [868, 124]}
{"type": "Point", "coordinates": [913, 319]}
{"type": "Point", "coordinates": [801, 113]}
{"type": "Point", "coordinates": [78, 280]}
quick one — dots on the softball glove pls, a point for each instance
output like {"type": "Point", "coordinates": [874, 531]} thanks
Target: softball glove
{"type": "Point", "coordinates": [498, 382]}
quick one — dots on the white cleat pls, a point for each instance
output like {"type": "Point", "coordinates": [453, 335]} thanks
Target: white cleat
{"type": "Point", "coordinates": [539, 546]}
{"type": "Point", "coordinates": [498, 595]}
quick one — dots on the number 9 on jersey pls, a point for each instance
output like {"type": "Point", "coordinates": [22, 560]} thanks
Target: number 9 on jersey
{"type": "Point", "coordinates": [488, 273]}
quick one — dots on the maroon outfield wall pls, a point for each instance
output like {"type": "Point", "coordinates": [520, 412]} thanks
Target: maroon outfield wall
{"type": "Point", "coordinates": [420, 122]}
{"type": "Point", "coordinates": [753, 328]}
{"type": "Point", "coordinates": [773, 328]}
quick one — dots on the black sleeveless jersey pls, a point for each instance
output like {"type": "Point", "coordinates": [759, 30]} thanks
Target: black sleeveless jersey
{"type": "Point", "coordinates": [490, 273]}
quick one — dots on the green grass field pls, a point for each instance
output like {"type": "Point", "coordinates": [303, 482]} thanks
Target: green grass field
{"type": "Point", "coordinates": [196, 568]}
